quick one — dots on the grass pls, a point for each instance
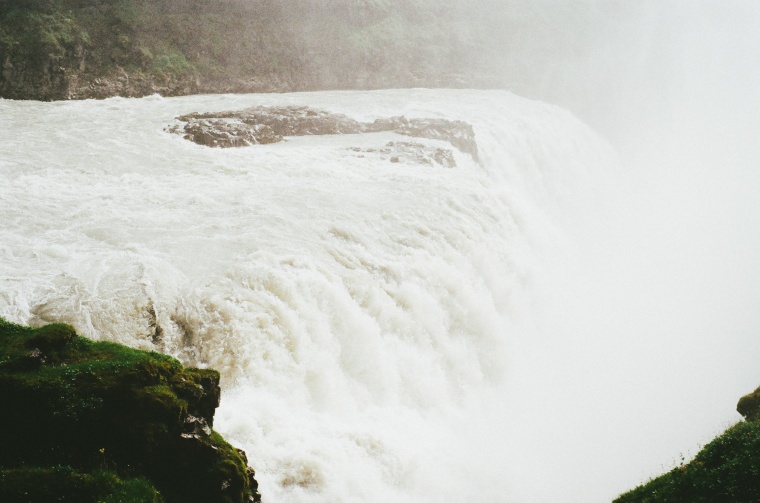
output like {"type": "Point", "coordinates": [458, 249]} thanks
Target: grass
{"type": "Point", "coordinates": [726, 470]}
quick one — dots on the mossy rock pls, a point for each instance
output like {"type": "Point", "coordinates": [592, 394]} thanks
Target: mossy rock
{"type": "Point", "coordinates": [76, 403]}
{"type": "Point", "coordinates": [52, 337]}
{"type": "Point", "coordinates": [63, 483]}
{"type": "Point", "coordinates": [749, 406]}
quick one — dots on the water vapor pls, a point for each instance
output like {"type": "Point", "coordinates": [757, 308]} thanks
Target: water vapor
{"type": "Point", "coordinates": [652, 331]}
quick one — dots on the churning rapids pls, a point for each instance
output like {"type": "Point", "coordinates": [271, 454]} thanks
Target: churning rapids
{"type": "Point", "coordinates": [376, 324]}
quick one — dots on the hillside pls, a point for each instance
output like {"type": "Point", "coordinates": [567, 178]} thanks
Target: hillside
{"type": "Point", "coordinates": [727, 469]}
{"type": "Point", "coordinates": [70, 49]}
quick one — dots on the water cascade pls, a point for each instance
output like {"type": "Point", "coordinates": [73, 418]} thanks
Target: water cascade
{"type": "Point", "coordinates": [365, 315]}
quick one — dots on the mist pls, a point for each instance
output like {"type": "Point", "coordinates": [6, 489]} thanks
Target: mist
{"type": "Point", "coordinates": [649, 329]}
{"type": "Point", "coordinates": [645, 330]}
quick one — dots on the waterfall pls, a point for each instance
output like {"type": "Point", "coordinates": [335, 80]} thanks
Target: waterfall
{"type": "Point", "coordinates": [556, 321]}
{"type": "Point", "coordinates": [364, 314]}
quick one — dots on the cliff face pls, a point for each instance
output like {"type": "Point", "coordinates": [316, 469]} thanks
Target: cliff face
{"type": "Point", "coordinates": [52, 57]}
{"type": "Point", "coordinates": [23, 77]}
{"type": "Point", "coordinates": [73, 49]}
{"type": "Point", "coordinates": [37, 52]}
{"type": "Point", "coordinates": [88, 421]}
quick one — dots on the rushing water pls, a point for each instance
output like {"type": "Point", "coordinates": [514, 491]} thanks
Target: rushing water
{"type": "Point", "coordinates": [505, 330]}
{"type": "Point", "coordinates": [361, 312]}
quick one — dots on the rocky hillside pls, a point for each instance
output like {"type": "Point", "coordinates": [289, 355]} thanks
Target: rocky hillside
{"type": "Point", "coordinates": [99, 422]}
{"type": "Point", "coordinates": [69, 49]}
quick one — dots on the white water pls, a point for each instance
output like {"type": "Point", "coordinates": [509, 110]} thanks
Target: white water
{"type": "Point", "coordinates": [541, 327]}
{"type": "Point", "coordinates": [367, 317]}
{"type": "Point", "coordinates": [544, 326]}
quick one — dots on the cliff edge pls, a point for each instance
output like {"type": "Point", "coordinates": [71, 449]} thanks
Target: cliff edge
{"type": "Point", "coordinates": [99, 422]}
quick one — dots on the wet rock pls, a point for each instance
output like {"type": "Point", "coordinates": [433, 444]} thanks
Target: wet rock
{"type": "Point", "coordinates": [411, 152]}
{"type": "Point", "coordinates": [261, 125]}
{"type": "Point", "coordinates": [226, 133]}
{"type": "Point", "coordinates": [70, 402]}
{"type": "Point", "coordinates": [301, 121]}
{"type": "Point", "coordinates": [458, 133]}
{"type": "Point", "coordinates": [196, 426]}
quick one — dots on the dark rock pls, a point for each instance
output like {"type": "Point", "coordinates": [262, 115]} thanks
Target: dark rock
{"type": "Point", "coordinates": [458, 133]}
{"type": "Point", "coordinates": [300, 121]}
{"type": "Point", "coordinates": [254, 484]}
{"type": "Point", "coordinates": [75, 403]}
{"type": "Point", "coordinates": [196, 426]}
{"type": "Point", "coordinates": [261, 125]}
{"type": "Point", "coordinates": [204, 403]}
{"type": "Point", "coordinates": [63, 483]}
{"type": "Point", "coordinates": [228, 133]}
{"type": "Point", "coordinates": [126, 84]}
{"type": "Point", "coordinates": [749, 406]}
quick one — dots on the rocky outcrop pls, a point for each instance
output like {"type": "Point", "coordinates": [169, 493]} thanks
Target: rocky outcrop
{"type": "Point", "coordinates": [458, 133]}
{"type": "Point", "coordinates": [138, 84]}
{"type": "Point", "coordinates": [38, 78]}
{"type": "Point", "coordinates": [260, 125]}
{"type": "Point", "coordinates": [749, 406]}
{"type": "Point", "coordinates": [104, 416]}
{"type": "Point", "coordinates": [228, 132]}
{"type": "Point", "coordinates": [410, 152]}
{"type": "Point", "coordinates": [284, 120]}
{"type": "Point", "coordinates": [127, 85]}
{"type": "Point", "coordinates": [48, 78]}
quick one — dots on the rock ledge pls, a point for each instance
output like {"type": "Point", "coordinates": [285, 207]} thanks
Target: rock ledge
{"type": "Point", "coordinates": [94, 421]}
{"type": "Point", "coordinates": [262, 125]}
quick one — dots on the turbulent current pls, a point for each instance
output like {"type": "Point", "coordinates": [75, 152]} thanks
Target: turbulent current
{"type": "Point", "coordinates": [379, 326]}
{"type": "Point", "coordinates": [360, 311]}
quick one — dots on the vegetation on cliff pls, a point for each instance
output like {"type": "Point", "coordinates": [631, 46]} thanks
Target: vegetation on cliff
{"type": "Point", "coordinates": [55, 49]}
{"type": "Point", "coordinates": [727, 469]}
{"type": "Point", "coordinates": [99, 422]}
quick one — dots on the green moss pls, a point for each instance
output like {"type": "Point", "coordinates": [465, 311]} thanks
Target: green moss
{"type": "Point", "coordinates": [38, 34]}
{"type": "Point", "coordinates": [288, 43]}
{"type": "Point", "coordinates": [52, 337]}
{"type": "Point", "coordinates": [749, 405]}
{"type": "Point", "coordinates": [63, 483]}
{"type": "Point", "coordinates": [727, 469]}
{"type": "Point", "coordinates": [77, 403]}
{"type": "Point", "coordinates": [172, 63]}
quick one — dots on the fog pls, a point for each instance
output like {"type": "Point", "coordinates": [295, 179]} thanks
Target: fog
{"type": "Point", "coordinates": [647, 334]}
{"type": "Point", "coordinates": [650, 329]}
